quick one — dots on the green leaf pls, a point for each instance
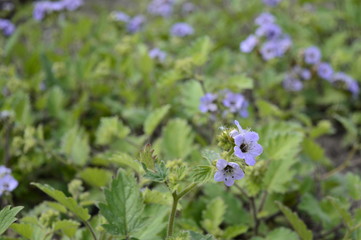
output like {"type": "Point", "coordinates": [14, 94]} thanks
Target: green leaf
{"type": "Point", "coordinates": [353, 185]}
{"type": "Point", "coordinates": [323, 127]}
{"type": "Point", "coordinates": [75, 145]}
{"type": "Point", "coordinates": [278, 175]}
{"type": "Point", "coordinates": [124, 159]}
{"type": "Point", "coordinates": [213, 216]}
{"type": "Point", "coordinates": [110, 128]}
{"type": "Point", "coordinates": [7, 217]}
{"type": "Point", "coordinates": [153, 120]}
{"type": "Point", "coordinates": [233, 231]}
{"type": "Point", "coordinates": [314, 151]}
{"type": "Point", "coordinates": [284, 146]}
{"type": "Point", "coordinates": [346, 216]}
{"type": "Point", "coordinates": [198, 236]}
{"type": "Point", "coordinates": [123, 207]}
{"type": "Point", "coordinates": [177, 139]}
{"type": "Point", "coordinates": [190, 93]}
{"type": "Point", "coordinates": [96, 177]}
{"type": "Point", "coordinates": [310, 205]}
{"type": "Point", "coordinates": [299, 226]}
{"type": "Point", "coordinates": [282, 234]}
{"type": "Point", "coordinates": [200, 50]}
{"type": "Point", "coordinates": [68, 227]}
{"type": "Point", "coordinates": [68, 202]}
{"type": "Point", "coordinates": [267, 109]}
{"type": "Point", "coordinates": [203, 174]}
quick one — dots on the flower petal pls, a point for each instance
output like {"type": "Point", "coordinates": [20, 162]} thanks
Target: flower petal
{"type": "Point", "coordinates": [250, 160]}
{"type": "Point", "coordinates": [239, 139]}
{"type": "Point", "coordinates": [251, 136]}
{"type": "Point", "coordinates": [234, 165]}
{"type": "Point", "coordinates": [238, 174]}
{"type": "Point", "coordinates": [221, 164]}
{"type": "Point", "coordinates": [257, 149]}
{"type": "Point", "coordinates": [238, 152]}
{"type": "Point", "coordinates": [229, 181]}
{"type": "Point", "coordinates": [240, 130]}
{"type": "Point", "coordinates": [218, 177]}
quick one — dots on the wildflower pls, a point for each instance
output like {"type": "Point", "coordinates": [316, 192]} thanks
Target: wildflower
{"type": "Point", "coordinates": [228, 172]}
{"type": "Point", "coordinates": [303, 73]}
{"type": "Point", "coordinates": [264, 18]}
{"type": "Point", "coordinates": [343, 80]}
{"type": "Point", "coordinates": [162, 8]}
{"type": "Point", "coordinates": [325, 71]}
{"type": "Point", "coordinates": [156, 53]}
{"type": "Point", "coordinates": [71, 5]}
{"type": "Point", "coordinates": [120, 17]}
{"type": "Point", "coordinates": [7, 27]}
{"type": "Point", "coordinates": [207, 103]}
{"type": "Point", "coordinates": [312, 55]}
{"type": "Point", "coordinates": [271, 3]}
{"type": "Point", "coordinates": [181, 30]}
{"type": "Point", "coordinates": [136, 23]}
{"type": "Point", "coordinates": [270, 31]}
{"type": "Point", "coordinates": [292, 83]}
{"type": "Point", "coordinates": [188, 7]}
{"type": "Point", "coordinates": [284, 43]}
{"type": "Point", "coordinates": [7, 182]}
{"type": "Point", "coordinates": [269, 50]}
{"type": "Point", "coordinates": [247, 147]}
{"type": "Point", "coordinates": [249, 43]}
{"type": "Point", "coordinates": [236, 103]}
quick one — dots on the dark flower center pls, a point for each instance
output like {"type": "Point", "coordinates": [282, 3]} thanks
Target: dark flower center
{"type": "Point", "coordinates": [228, 169]}
{"type": "Point", "coordinates": [244, 147]}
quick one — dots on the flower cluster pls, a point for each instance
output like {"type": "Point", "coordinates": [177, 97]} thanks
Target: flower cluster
{"type": "Point", "coordinates": [234, 103]}
{"type": "Point", "coordinates": [246, 147]}
{"type": "Point", "coordinates": [7, 27]}
{"type": "Point", "coordinates": [274, 43]}
{"type": "Point", "coordinates": [181, 30]}
{"type": "Point", "coordinates": [271, 3]}
{"type": "Point", "coordinates": [312, 60]}
{"type": "Point", "coordinates": [7, 182]}
{"type": "Point", "coordinates": [162, 8]}
{"type": "Point", "coordinates": [42, 8]}
{"type": "Point", "coordinates": [158, 54]}
{"type": "Point", "coordinates": [133, 24]}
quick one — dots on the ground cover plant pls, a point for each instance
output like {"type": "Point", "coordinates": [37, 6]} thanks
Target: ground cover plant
{"type": "Point", "coordinates": [180, 120]}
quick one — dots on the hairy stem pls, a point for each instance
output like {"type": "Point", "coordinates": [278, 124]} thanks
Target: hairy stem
{"type": "Point", "coordinates": [91, 230]}
{"type": "Point", "coordinates": [172, 215]}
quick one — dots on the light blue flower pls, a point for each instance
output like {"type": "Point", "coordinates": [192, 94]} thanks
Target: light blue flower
{"type": "Point", "coordinates": [207, 103]}
{"type": "Point", "coordinates": [325, 71]}
{"type": "Point", "coordinates": [181, 30]}
{"type": "Point", "coordinates": [312, 55]}
{"type": "Point", "coordinates": [249, 44]}
{"type": "Point", "coordinates": [228, 172]}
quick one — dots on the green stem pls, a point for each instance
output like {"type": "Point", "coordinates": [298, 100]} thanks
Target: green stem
{"type": "Point", "coordinates": [186, 190]}
{"type": "Point", "coordinates": [91, 230]}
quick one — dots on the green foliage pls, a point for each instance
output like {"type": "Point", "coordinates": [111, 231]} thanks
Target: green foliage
{"type": "Point", "coordinates": [213, 216]}
{"type": "Point", "coordinates": [7, 217]}
{"type": "Point", "coordinates": [75, 145]}
{"type": "Point", "coordinates": [203, 174]}
{"type": "Point", "coordinates": [95, 177]}
{"type": "Point", "coordinates": [110, 129]}
{"type": "Point", "coordinates": [123, 207]}
{"type": "Point", "coordinates": [154, 119]}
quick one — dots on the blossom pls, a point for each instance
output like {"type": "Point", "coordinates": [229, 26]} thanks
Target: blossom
{"type": "Point", "coordinates": [247, 146]}
{"type": "Point", "coordinates": [264, 18]}
{"type": "Point", "coordinates": [156, 53]}
{"type": "Point", "coordinates": [271, 3]}
{"type": "Point", "coordinates": [312, 55]}
{"type": "Point", "coordinates": [120, 16]}
{"type": "Point", "coordinates": [7, 182]}
{"type": "Point", "coordinates": [207, 103]}
{"type": "Point", "coordinates": [270, 31]}
{"type": "Point", "coordinates": [292, 83]}
{"type": "Point", "coordinates": [236, 103]}
{"type": "Point", "coordinates": [269, 50]}
{"type": "Point", "coordinates": [347, 82]}
{"type": "Point", "coordinates": [228, 172]}
{"type": "Point", "coordinates": [181, 29]}
{"type": "Point", "coordinates": [325, 71]}
{"type": "Point", "coordinates": [303, 73]}
{"type": "Point", "coordinates": [135, 24]}
{"type": "Point", "coordinates": [188, 7]}
{"type": "Point", "coordinates": [42, 8]}
{"type": "Point", "coordinates": [248, 44]}
{"type": "Point", "coordinates": [162, 8]}
{"type": "Point", "coordinates": [284, 43]}
{"type": "Point", "coordinates": [71, 5]}
{"type": "Point", "coordinates": [7, 27]}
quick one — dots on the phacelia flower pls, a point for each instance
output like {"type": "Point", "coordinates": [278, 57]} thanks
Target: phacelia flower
{"type": "Point", "coordinates": [208, 103]}
{"type": "Point", "coordinates": [181, 30]}
{"type": "Point", "coordinates": [284, 43]}
{"type": "Point", "coordinates": [7, 27]}
{"type": "Point", "coordinates": [247, 146]}
{"type": "Point", "coordinates": [248, 44]}
{"type": "Point", "coordinates": [345, 81]}
{"type": "Point", "coordinates": [312, 55]}
{"type": "Point", "coordinates": [269, 50]}
{"type": "Point", "coordinates": [236, 103]}
{"type": "Point", "coordinates": [42, 8]}
{"type": "Point", "coordinates": [264, 18]}
{"type": "Point", "coordinates": [135, 24]}
{"type": "Point", "coordinates": [71, 5]}
{"type": "Point", "coordinates": [303, 73]}
{"type": "Point", "coordinates": [271, 3]}
{"type": "Point", "coordinates": [162, 8]}
{"type": "Point", "coordinates": [228, 172]}
{"type": "Point", "coordinates": [7, 182]}
{"type": "Point", "coordinates": [120, 16]}
{"type": "Point", "coordinates": [270, 31]}
{"type": "Point", "coordinates": [325, 71]}
{"type": "Point", "coordinates": [158, 54]}
{"type": "Point", "coordinates": [291, 83]}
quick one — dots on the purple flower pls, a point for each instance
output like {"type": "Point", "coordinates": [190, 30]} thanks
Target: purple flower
{"type": "Point", "coordinates": [247, 147]}
{"type": "Point", "coordinates": [71, 5]}
{"type": "Point", "coordinates": [325, 71]}
{"type": "Point", "coordinates": [312, 55]}
{"type": "Point", "coordinates": [156, 53]}
{"type": "Point", "coordinates": [269, 50]}
{"type": "Point", "coordinates": [264, 18]}
{"type": "Point", "coordinates": [270, 31]}
{"type": "Point", "coordinates": [291, 83]}
{"type": "Point", "coordinates": [7, 182]}
{"type": "Point", "coordinates": [347, 82]}
{"type": "Point", "coordinates": [236, 103]}
{"type": "Point", "coordinates": [120, 17]}
{"type": "Point", "coordinates": [7, 27]}
{"type": "Point", "coordinates": [207, 103]}
{"type": "Point", "coordinates": [228, 172]}
{"type": "Point", "coordinates": [248, 44]}
{"type": "Point", "coordinates": [284, 43]}
{"type": "Point", "coordinates": [181, 30]}
{"type": "Point", "coordinates": [271, 3]}
{"type": "Point", "coordinates": [188, 7]}
{"type": "Point", "coordinates": [303, 73]}
{"type": "Point", "coordinates": [136, 23]}
{"type": "Point", "coordinates": [162, 8]}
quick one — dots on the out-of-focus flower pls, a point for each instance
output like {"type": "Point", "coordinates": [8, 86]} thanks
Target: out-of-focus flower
{"type": "Point", "coordinates": [312, 55]}
{"type": "Point", "coordinates": [271, 3]}
{"type": "Point", "coordinates": [236, 103]}
{"type": "Point", "coordinates": [120, 16]}
{"type": "Point", "coordinates": [325, 71]}
{"type": "Point", "coordinates": [249, 44]}
{"type": "Point", "coordinates": [345, 81]}
{"type": "Point", "coordinates": [7, 182]}
{"type": "Point", "coordinates": [181, 30]}
{"type": "Point", "coordinates": [188, 7]}
{"type": "Point", "coordinates": [208, 103]}
{"type": "Point", "coordinates": [264, 18]}
{"type": "Point", "coordinates": [303, 73]}
{"type": "Point", "coordinates": [247, 146]}
{"type": "Point", "coordinates": [270, 31]}
{"type": "Point", "coordinates": [162, 8]}
{"type": "Point", "coordinates": [42, 8]}
{"type": "Point", "coordinates": [228, 172]}
{"type": "Point", "coordinates": [291, 83]}
{"type": "Point", "coordinates": [269, 50]}
{"type": "Point", "coordinates": [7, 27]}
{"type": "Point", "coordinates": [158, 54]}
{"type": "Point", "coordinates": [135, 24]}
{"type": "Point", "coordinates": [71, 5]}
{"type": "Point", "coordinates": [284, 43]}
